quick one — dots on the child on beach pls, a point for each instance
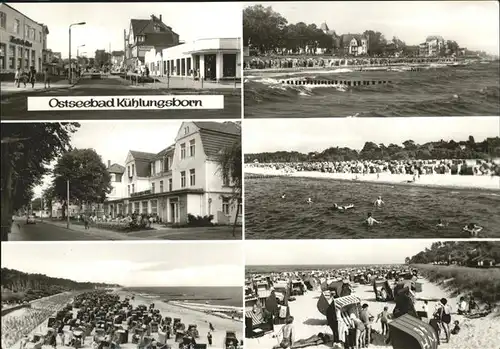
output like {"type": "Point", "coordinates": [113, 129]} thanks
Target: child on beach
{"type": "Point", "coordinates": [384, 320]}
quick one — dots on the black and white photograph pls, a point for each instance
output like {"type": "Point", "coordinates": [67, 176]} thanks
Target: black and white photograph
{"type": "Point", "coordinates": [125, 296]}
{"type": "Point", "coordinates": [132, 180]}
{"type": "Point", "coordinates": [376, 294]}
{"type": "Point", "coordinates": [371, 58]}
{"type": "Point", "coordinates": [68, 51]}
{"type": "Point", "coordinates": [351, 178]}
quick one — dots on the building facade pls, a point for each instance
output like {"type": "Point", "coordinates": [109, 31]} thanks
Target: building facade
{"type": "Point", "coordinates": [144, 35]}
{"type": "Point", "coordinates": [354, 44]}
{"type": "Point", "coordinates": [210, 59]}
{"type": "Point", "coordinates": [22, 41]}
{"type": "Point", "coordinates": [433, 46]}
{"type": "Point", "coordinates": [182, 179]}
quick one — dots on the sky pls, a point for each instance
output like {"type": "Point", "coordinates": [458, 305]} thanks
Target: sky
{"type": "Point", "coordinates": [106, 22]}
{"type": "Point", "coordinates": [112, 140]}
{"type": "Point", "coordinates": [473, 24]}
{"type": "Point", "coordinates": [309, 252]}
{"type": "Point", "coordinates": [134, 264]}
{"type": "Point", "coordinates": [306, 135]}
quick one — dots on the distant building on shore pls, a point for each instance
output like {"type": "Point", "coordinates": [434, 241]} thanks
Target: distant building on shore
{"type": "Point", "coordinates": [354, 44]}
{"type": "Point", "coordinates": [433, 46]}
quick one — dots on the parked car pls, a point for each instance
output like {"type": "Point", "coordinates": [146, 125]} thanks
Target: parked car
{"type": "Point", "coordinates": [30, 219]}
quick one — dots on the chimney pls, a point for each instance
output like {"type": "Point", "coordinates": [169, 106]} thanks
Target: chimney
{"type": "Point", "coordinates": [109, 163]}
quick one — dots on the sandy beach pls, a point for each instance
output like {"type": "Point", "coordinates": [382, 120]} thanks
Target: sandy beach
{"type": "Point", "coordinates": [436, 180]}
{"type": "Point", "coordinates": [308, 321]}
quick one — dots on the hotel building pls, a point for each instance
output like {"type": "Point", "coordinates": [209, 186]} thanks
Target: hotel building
{"type": "Point", "coordinates": [22, 41]}
{"type": "Point", "coordinates": [184, 178]}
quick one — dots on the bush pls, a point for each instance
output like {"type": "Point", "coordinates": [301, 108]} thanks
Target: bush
{"type": "Point", "coordinates": [199, 221]}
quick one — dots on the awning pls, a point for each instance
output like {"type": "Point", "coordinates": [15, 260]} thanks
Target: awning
{"type": "Point", "coordinates": [345, 301]}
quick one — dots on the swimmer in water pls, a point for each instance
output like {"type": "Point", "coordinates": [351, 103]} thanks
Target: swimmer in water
{"type": "Point", "coordinates": [379, 202]}
{"type": "Point", "coordinates": [370, 220]}
{"type": "Point", "coordinates": [309, 201]}
{"type": "Point", "coordinates": [342, 208]}
{"type": "Point", "coordinates": [473, 229]}
{"type": "Point", "coordinates": [283, 196]}
{"type": "Point", "coordinates": [442, 224]}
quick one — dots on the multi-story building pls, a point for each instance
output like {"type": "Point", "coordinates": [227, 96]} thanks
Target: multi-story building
{"type": "Point", "coordinates": [184, 178]}
{"type": "Point", "coordinates": [117, 59]}
{"type": "Point", "coordinates": [354, 44]}
{"type": "Point", "coordinates": [433, 46]}
{"type": "Point", "coordinates": [144, 35]}
{"type": "Point", "coordinates": [22, 41]}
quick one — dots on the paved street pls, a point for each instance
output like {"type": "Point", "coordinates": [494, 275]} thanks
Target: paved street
{"type": "Point", "coordinates": [57, 231]}
{"type": "Point", "coordinates": [14, 101]}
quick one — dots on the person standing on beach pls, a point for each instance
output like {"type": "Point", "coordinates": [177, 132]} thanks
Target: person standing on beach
{"type": "Point", "coordinates": [367, 319]}
{"type": "Point", "coordinates": [209, 339]}
{"type": "Point", "coordinates": [443, 313]}
{"type": "Point", "coordinates": [384, 320]}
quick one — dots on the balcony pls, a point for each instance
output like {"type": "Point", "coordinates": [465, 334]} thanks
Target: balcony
{"type": "Point", "coordinates": [140, 193]}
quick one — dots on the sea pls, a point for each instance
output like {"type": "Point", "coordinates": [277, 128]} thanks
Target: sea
{"type": "Point", "coordinates": [228, 296]}
{"type": "Point", "coordinates": [471, 90]}
{"type": "Point", "coordinates": [409, 211]}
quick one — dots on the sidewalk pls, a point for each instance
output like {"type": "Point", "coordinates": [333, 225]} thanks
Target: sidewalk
{"type": "Point", "coordinates": [103, 233]}
{"type": "Point", "coordinates": [11, 88]}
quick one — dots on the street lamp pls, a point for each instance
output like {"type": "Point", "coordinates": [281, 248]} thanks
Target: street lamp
{"type": "Point", "coordinates": [69, 71]}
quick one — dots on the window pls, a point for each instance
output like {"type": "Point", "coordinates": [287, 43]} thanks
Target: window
{"type": "Point", "coordinates": [152, 188]}
{"type": "Point", "coordinates": [170, 184]}
{"type": "Point", "coordinates": [157, 28]}
{"type": "Point", "coordinates": [140, 38]}
{"type": "Point", "coordinates": [186, 130]}
{"type": "Point", "coordinates": [154, 206]}
{"type": "Point", "coordinates": [161, 186]}
{"type": "Point", "coordinates": [3, 20]}
{"type": "Point", "coordinates": [225, 180]}
{"type": "Point", "coordinates": [183, 179]}
{"type": "Point", "coordinates": [16, 26]}
{"type": "Point", "coordinates": [40, 36]}
{"type": "Point", "coordinates": [3, 53]}
{"type": "Point", "coordinates": [32, 34]}
{"type": "Point", "coordinates": [128, 190]}
{"type": "Point", "coordinates": [128, 171]}
{"type": "Point", "coordinates": [183, 150]}
{"type": "Point", "coordinates": [27, 31]}
{"type": "Point", "coordinates": [133, 170]}
{"type": "Point", "coordinates": [136, 207]}
{"type": "Point", "coordinates": [12, 57]}
{"type": "Point", "coordinates": [133, 188]}
{"type": "Point", "coordinates": [153, 168]}
{"type": "Point", "coordinates": [166, 164]}
{"type": "Point", "coordinates": [144, 207]}
{"type": "Point", "coordinates": [191, 147]}
{"type": "Point", "coordinates": [192, 177]}
{"type": "Point", "coordinates": [225, 205]}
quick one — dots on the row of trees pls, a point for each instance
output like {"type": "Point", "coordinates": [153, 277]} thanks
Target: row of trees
{"type": "Point", "coordinates": [267, 31]}
{"type": "Point", "coordinates": [18, 285]}
{"type": "Point", "coordinates": [442, 149]}
{"type": "Point", "coordinates": [461, 252]}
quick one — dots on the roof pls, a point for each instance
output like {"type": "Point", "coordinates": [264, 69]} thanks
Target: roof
{"type": "Point", "coordinates": [140, 155]}
{"type": "Point", "coordinates": [346, 300]}
{"type": "Point", "coordinates": [146, 26]}
{"type": "Point", "coordinates": [216, 136]}
{"type": "Point", "coordinates": [347, 38]}
{"type": "Point", "coordinates": [115, 168]}
{"type": "Point", "coordinates": [434, 37]}
{"type": "Point", "coordinates": [161, 154]}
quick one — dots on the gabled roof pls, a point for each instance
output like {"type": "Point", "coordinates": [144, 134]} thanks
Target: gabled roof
{"type": "Point", "coordinates": [115, 168]}
{"type": "Point", "coordinates": [228, 127]}
{"type": "Point", "coordinates": [216, 136]}
{"type": "Point", "coordinates": [161, 154]}
{"type": "Point", "coordinates": [140, 155]}
{"type": "Point", "coordinates": [146, 26]}
{"type": "Point", "coordinates": [347, 38]}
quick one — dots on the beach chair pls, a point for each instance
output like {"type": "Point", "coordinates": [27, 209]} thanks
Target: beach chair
{"type": "Point", "coordinates": [408, 332]}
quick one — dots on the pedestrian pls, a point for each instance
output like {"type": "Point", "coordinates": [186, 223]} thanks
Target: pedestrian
{"type": "Point", "coordinates": [86, 222]}
{"type": "Point", "coordinates": [17, 77]}
{"type": "Point", "coordinates": [209, 338]}
{"type": "Point", "coordinates": [46, 78]}
{"type": "Point", "coordinates": [384, 320]}
{"type": "Point", "coordinates": [32, 77]}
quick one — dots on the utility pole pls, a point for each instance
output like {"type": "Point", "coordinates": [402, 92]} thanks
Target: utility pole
{"type": "Point", "coordinates": [67, 204]}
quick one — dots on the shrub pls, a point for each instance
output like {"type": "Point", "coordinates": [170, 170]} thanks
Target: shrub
{"type": "Point", "coordinates": [199, 221]}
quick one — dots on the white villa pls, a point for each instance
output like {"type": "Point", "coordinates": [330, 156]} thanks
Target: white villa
{"type": "Point", "coordinates": [184, 178]}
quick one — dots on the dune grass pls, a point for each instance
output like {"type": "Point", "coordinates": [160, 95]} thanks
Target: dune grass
{"type": "Point", "coordinates": [484, 284]}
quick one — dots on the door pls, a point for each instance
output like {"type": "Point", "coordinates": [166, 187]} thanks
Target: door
{"type": "Point", "coordinates": [229, 65]}
{"type": "Point", "coordinates": [210, 67]}
{"type": "Point", "coordinates": [174, 212]}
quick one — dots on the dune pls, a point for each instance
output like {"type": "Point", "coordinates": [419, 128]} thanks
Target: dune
{"type": "Point", "coordinates": [475, 333]}
{"type": "Point", "coordinates": [436, 180]}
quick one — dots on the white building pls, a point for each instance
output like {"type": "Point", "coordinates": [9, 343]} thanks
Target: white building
{"type": "Point", "coordinates": [182, 179]}
{"type": "Point", "coordinates": [214, 59]}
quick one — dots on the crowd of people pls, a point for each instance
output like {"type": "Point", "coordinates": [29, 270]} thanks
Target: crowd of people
{"type": "Point", "coordinates": [100, 319]}
{"type": "Point", "coordinates": [263, 62]}
{"type": "Point", "coordinates": [15, 327]}
{"type": "Point", "coordinates": [412, 167]}
{"type": "Point", "coordinates": [140, 219]}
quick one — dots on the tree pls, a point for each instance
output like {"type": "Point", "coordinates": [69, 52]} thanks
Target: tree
{"type": "Point", "coordinates": [262, 27]}
{"type": "Point", "coordinates": [376, 42]}
{"type": "Point", "coordinates": [36, 204]}
{"type": "Point", "coordinates": [89, 181]}
{"type": "Point", "coordinates": [230, 168]}
{"type": "Point", "coordinates": [27, 150]}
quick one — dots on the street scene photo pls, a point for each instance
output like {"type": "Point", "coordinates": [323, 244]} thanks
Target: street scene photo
{"type": "Point", "coordinates": [376, 294]}
{"type": "Point", "coordinates": [126, 296]}
{"type": "Point", "coordinates": [351, 178]}
{"type": "Point", "coordinates": [131, 180]}
{"type": "Point", "coordinates": [371, 58]}
{"type": "Point", "coordinates": [149, 52]}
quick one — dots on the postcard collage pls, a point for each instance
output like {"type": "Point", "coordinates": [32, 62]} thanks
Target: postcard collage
{"type": "Point", "coordinates": [236, 175]}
